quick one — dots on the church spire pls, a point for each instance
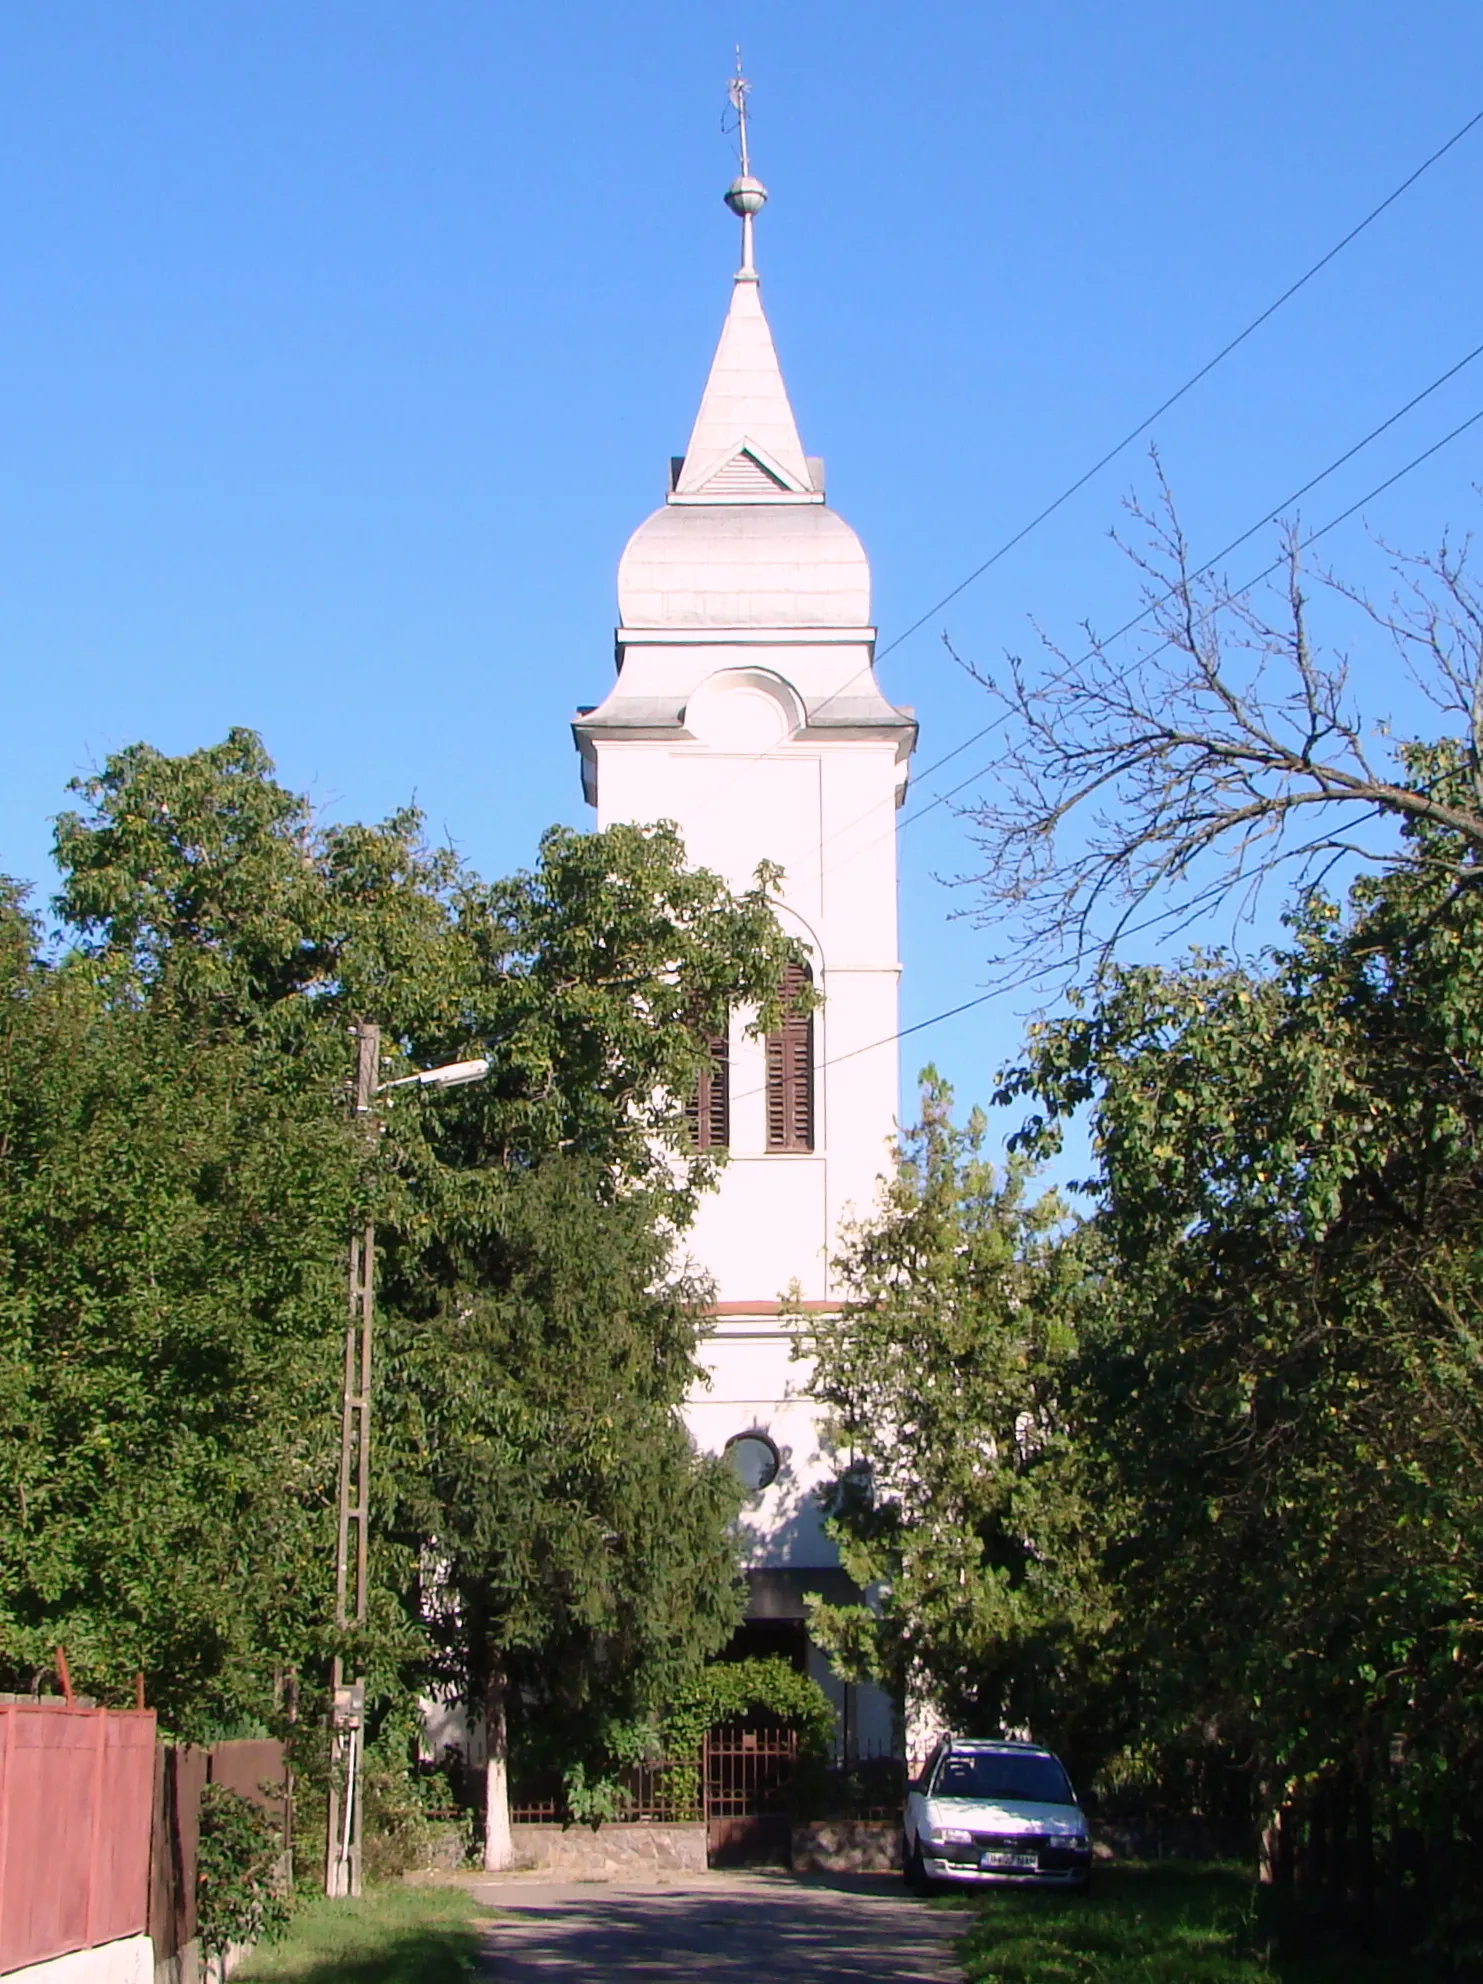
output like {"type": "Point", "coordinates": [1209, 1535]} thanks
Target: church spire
{"type": "Point", "coordinates": [745, 446]}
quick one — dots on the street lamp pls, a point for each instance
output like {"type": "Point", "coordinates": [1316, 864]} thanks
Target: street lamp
{"type": "Point", "coordinates": [342, 1852]}
{"type": "Point", "coordinates": [451, 1076]}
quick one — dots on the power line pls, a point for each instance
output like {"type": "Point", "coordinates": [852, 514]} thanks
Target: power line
{"type": "Point", "coordinates": [996, 991]}
{"type": "Point", "coordinates": [1192, 381]}
{"type": "Point", "coordinates": [1137, 620]}
{"type": "Point", "coordinates": [722, 791]}
{"type": "Point", "coordinates": [1266, 573]}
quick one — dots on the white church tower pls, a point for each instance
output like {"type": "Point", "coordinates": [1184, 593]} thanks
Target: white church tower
{"type": "Point", "coordinates": [746, 710]}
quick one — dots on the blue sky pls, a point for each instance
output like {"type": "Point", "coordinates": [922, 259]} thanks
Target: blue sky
{"type": "Point", "coordinates": [343, 345]}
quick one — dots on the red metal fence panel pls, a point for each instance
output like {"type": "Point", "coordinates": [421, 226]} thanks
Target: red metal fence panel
{"type": "Point", "coordinates": [120, 1899]}
{"type": "Point", "coordinates": [76, 1792]}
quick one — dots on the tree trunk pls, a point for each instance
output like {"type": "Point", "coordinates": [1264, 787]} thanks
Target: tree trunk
{"type": "Point", "coordinates": [1273, 1844]}
{"type": "Point", "coordinates": [499, 1847]}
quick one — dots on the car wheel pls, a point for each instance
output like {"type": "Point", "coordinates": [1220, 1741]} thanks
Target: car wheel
{"type": "Point", "coordinates": [917, 1877]}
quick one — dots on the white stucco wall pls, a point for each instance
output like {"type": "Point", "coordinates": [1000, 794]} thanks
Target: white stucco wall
{"type": "Point", "coordinates": [746, 711]}
{"type": "Point", "coordinates": [823, 808]}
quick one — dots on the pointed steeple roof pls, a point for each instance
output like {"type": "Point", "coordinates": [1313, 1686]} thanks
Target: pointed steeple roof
{"type": "Point", "coordinates": [745, 440]}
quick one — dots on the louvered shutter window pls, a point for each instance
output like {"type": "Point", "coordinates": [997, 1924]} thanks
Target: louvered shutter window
{"type": "Point", "coordinates": [708, 1111]}
{"type": "Point", "coordinates": [790, 1071]}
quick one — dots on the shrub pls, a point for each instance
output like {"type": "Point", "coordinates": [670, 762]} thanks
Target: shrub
{"type": "Point", "coordinates": [241, 1895]}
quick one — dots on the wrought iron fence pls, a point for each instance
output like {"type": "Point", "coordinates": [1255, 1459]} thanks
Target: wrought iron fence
{"type": "Point", "coordinates": [535, 1804]}
{"type": "Point", "coordinates": [658, 1793]}
{"type": "Point", "coordinates": [749, 1768]}
{"type": "Point", "coordinates": [746, 1769]}
{"type": "Point", "coordinates": [868, 1782]}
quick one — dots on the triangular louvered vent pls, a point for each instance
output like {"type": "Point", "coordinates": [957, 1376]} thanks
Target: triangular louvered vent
{"type": "Point", "coordinates": [743, 475]}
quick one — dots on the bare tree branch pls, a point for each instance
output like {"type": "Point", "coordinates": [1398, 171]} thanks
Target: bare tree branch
{"type": "Point", "coordinates": [1137, 792]}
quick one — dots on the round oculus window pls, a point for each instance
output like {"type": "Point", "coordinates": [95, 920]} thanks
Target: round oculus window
{"type": "Point", "coordinates": [755, 1459]}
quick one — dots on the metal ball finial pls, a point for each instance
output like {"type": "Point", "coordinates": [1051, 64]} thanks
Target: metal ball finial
{"type": "Point", "coordinates": [745, 196]}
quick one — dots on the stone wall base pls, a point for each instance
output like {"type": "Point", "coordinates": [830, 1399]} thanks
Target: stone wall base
{"type": "Point", "coordinates": [444, 1849]}
{"type": "Point", "coordinates": [847, 1846]}
{"type": "Point", "coordinates": [611, 1849]}
{"type": "Point", "coordinates": [1170, 1839]}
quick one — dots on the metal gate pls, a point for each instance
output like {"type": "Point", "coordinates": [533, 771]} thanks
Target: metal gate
{"type": "Point", "coordinates": [748, 1780]}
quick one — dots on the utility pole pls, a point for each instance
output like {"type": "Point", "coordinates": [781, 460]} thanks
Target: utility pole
{"type": "Point", "coordinates": [342, 1833]}
{"type": "Point", "coordinates": [342, 1853]}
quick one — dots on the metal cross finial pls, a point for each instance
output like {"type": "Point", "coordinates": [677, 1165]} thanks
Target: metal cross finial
{"type": "Point", "coordinates": [745, 196]}
{"type": "Point", "coordinates": [737, 90]}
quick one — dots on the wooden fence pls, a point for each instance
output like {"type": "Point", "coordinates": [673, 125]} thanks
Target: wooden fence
{"type": "Point", "coordinates": [76, 1789]}
{"type": "Point", "coordinates": [252, 1768]}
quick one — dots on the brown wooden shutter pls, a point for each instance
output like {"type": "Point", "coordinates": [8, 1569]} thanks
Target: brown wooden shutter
{"type": "Point", "coordinates": [790, 1071]}
{"type": "Point", "coordinates": [708, 1111]}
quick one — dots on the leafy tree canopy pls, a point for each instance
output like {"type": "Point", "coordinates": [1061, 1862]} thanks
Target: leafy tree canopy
{"type": "Point", "coordinates": [177, 1180]}
{"type": "Point", "coordinates": [961, 1501]}
{"type": "Point", "coordinates": [1293, 1401]}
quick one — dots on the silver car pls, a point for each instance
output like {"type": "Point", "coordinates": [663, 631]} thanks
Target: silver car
{"type": "Point", "coordinates": [987, 1812]}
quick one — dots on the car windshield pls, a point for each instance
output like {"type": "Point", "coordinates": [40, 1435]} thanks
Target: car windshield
{"type": "Point", "coordinates": [1002, 1774]}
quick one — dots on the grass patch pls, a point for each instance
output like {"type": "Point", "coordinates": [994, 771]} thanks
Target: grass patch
{"type": "Point", "coordinates": [394, 1935]}
{"type": "Point", "coordinates": [1164, 1923]}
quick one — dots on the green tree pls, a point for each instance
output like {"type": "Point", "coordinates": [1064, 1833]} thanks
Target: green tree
{"type": "Point", "coordinates": [580, 1557]}
{"type": "Point", "coordinates": [535, 1337]}
{"type": "Point", "coordinates": [960, 1503]}
{"type": "Point", "coordinates": [170, 1231]}
{"type": "Point", "coordinates": [1293, 1406]}
{"type": "Point", "coordinates": [1288, 1411]}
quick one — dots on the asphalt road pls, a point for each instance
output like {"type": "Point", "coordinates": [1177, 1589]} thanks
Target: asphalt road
{"type": "Point", "coordinates": [767, 1928]}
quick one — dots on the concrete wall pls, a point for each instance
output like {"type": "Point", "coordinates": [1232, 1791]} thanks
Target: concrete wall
{"type": "Point", "coordinates": [127, 1960]}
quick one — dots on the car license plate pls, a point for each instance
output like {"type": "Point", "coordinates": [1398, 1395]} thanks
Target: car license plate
{"type": "Point", "coordinates": [1019, 1862]}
